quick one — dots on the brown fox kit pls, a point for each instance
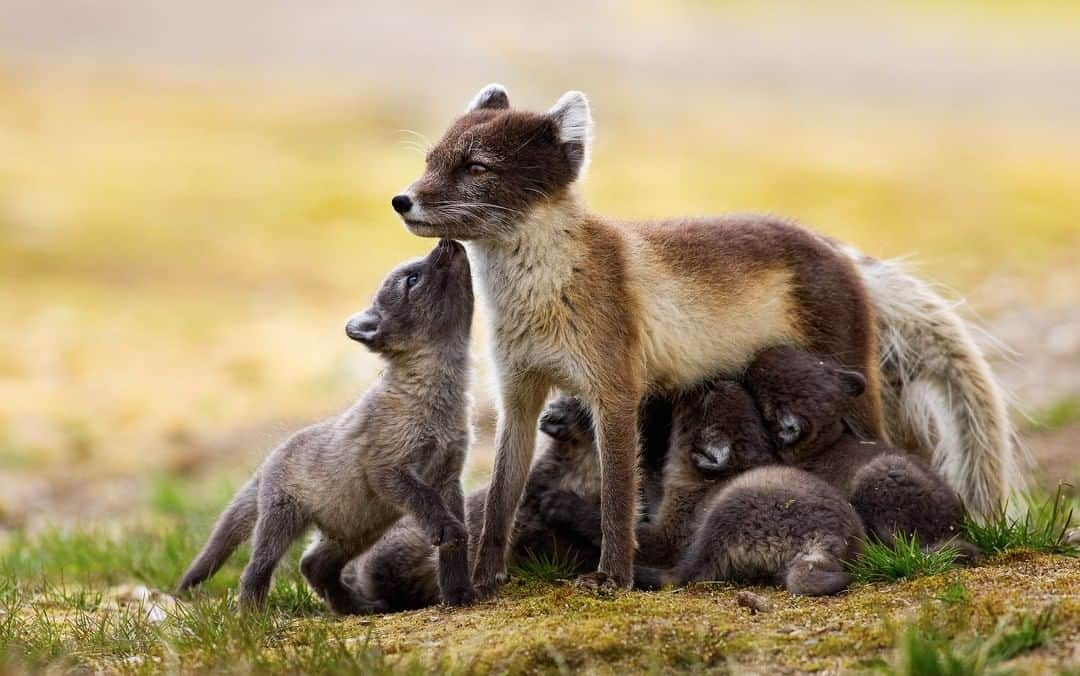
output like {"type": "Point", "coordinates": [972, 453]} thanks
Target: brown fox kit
{"type": "Point", "coordinates": [716, 435]}
{"type": "Point", "coordinates": [398, 450]}
{"type": "Point", "coordinates": [803, 400]}
{"type": "Point", "coordinates": [729, 512]}
{"type": "Point", "coordinates": [399, 572]}
{"type": "Point", "coordinates": [609, 310]}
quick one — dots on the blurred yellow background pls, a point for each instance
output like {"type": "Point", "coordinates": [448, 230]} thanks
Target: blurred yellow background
{"type": "Point", "coordinates": [194, 196]}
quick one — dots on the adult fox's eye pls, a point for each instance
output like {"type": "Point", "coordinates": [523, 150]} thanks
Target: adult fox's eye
{"type": "Point", "coordinates": [411, 280]}
{"type": "Point", "coordinates": [475, 169]}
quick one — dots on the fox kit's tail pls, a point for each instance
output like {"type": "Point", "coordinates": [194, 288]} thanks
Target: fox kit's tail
{"type": "Point", "coordinates": [937, 389]}
{"type": "Point", "coordinates": [233, 527]}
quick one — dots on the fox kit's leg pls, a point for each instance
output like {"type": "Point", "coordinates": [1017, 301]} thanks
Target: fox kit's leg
{"type": "Point", "coordinates": [441, 521]}
{"type": "Point", "coordinates": [321, 566]}
{"type": "Point", "coordinates": [454, 583]}
{"type": "Point", "coordinates": [232, 528]}
{"type": "Point", "coordinates": [662, 541]}
{"type": "Point", "coordinates": [281, 521]}
{"type": "Point", "coordinates": [617, 440]}
{"type": "Point", "coordinates": [522, 399]}
{"type": "Point", "coordinates": [403, 488]}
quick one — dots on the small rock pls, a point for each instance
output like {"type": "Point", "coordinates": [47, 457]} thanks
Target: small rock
{"type": "Point", "coordinates": [756, 603]}
{"type": "Point", "coordinates": [156, 613]}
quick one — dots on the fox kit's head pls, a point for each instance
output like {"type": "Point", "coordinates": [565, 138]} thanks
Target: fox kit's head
{"type": "Point", "coordinates": [494, 164]}
{"type": "Point", "coordinates": [722, 431]}
{"type": "Point", "coordinates": [802, 398]}
{"type": "Point", "coordinates": [426, 302]}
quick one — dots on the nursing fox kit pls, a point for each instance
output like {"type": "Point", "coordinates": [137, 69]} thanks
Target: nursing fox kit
{"type": "Point", "coordinates": [611, 311]}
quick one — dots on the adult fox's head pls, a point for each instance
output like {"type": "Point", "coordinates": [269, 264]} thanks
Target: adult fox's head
{"type": "Point", "coordinates": [494, 164]}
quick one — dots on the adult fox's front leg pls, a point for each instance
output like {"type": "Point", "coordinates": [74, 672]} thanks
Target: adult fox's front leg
{"type": "Point", "coordinates": [521, 401]}
{"type": "Point", "coordinates": [615, 413]}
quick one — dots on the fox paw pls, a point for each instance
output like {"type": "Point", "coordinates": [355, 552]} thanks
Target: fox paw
{"type": "Point", "coordinates": [464, 596]}
{"type": "Point", "coordinates": [451, 534]}
{"type": "Point", "coordinates": [598, 582]}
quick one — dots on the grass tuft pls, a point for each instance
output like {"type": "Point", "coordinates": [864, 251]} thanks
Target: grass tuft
{"type": "Point", "coordinates": [929, 651]}
{"type": "Point", "coordinates": [902, 559]}
{"type": "Point", "coordinates": [955, 594]}
{"type": "Point", "coordinates": [546, 567]}
{"type": "Point", "coordinates": [1042, 528]}
{"type": "Point", "coordinates": [1026, 632]}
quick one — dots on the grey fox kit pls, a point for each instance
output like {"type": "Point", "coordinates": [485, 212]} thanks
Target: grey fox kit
{"type": "Point", "coordinates": [398, 450]}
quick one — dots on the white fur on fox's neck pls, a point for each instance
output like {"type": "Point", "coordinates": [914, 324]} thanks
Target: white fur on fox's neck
{"type": "Point", "coordinates": [532, 262]}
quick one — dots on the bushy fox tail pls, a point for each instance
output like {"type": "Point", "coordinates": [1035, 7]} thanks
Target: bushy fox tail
{"type": "Point", "coordinates": [938, 392]}
{"type": "Point", "coordinates": [233, 527]}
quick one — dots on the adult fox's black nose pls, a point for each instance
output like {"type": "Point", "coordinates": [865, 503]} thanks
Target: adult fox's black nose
{"type": "Point", "coordinates": [401, 203]}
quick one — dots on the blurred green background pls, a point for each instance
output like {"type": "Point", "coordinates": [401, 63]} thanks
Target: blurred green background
{"type": "Point", "coordinates": [195, 196]}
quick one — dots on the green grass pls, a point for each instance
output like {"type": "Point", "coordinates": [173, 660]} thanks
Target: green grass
{"type": "Point", "coordinates": [1062, 413]}
{"type": "Point", "coordinates": [903, 559]}
{"type": "Point", "coordinates": [1042, 527]}
{"type": "Point", "coordinates": [955, 593]}
{"type": "Point", "coordinates": [546, 567]}
{"type": "Point", "coordinates": [207, 634]}
{"type": "Point", "coordinates": [931, 651]}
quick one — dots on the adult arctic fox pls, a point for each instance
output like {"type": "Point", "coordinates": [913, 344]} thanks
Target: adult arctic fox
{"type": "Point", "coordinates": [611, 310]}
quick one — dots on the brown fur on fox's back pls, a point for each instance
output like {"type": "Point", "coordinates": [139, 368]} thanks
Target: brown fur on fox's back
{"type": "Point", "coordinates": [792, 283]}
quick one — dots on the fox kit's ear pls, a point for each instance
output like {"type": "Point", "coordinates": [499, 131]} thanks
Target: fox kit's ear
{"type": "Point", "coordinates": [574, 122]}
{"type": "Point", "coordinates": [493, 97]}
{"type": "Point", "coordinates": [852, 382]}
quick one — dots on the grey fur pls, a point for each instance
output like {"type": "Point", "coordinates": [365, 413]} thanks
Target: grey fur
{"type": "Point", "coordinates": [803, 400]}
{"type": "Point", "coordinates": [398, 573]}
{"type": "Point", "coordinates": [774, 525]}
{"type": "Point", "coordinates": [729, 512]}
{"type": "Point", "coordinates": [398, 450]}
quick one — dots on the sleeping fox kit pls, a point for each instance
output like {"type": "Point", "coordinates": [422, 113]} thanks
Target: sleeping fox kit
{"type": "Point", "coordinates": [398, 450]}
{"type": "Point", "coordinates": [730, 512]}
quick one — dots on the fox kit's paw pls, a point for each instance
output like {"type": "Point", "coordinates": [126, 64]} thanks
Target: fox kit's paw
{"type": "Point", "coordinates": [451, 535]}
{"type": "Point", "coordinates": [463, 596]}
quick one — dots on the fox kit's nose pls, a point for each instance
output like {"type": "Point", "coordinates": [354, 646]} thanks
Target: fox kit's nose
{"type": "Point", "coordinates": [401, 203]}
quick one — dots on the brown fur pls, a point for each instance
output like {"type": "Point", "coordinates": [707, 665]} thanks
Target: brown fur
{"type": "Point", "coordinates": [716, 435]}
{"type": "Point", "coordinates": [610, 311]}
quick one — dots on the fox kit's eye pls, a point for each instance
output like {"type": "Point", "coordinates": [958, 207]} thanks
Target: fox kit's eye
{"type": "Point", "coordinates": [476, 169]}
{"type": "Point", "coordinates": [411, 280]}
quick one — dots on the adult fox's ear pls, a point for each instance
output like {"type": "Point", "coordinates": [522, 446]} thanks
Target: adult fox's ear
{"type": "Point", "coordinates": [575, 124]}
{"type": "Point", "coordinates": [492, 97]}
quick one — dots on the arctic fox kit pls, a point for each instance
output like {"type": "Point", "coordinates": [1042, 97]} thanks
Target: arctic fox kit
{"type": "Point", "coordinates": [610, 310]}
{"type": "Point", "coordinates": [398, 573]}
{"type": "Point", "coordinates": [398, 450]}
{"type": "Point", "coordinates": [803, 400]}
